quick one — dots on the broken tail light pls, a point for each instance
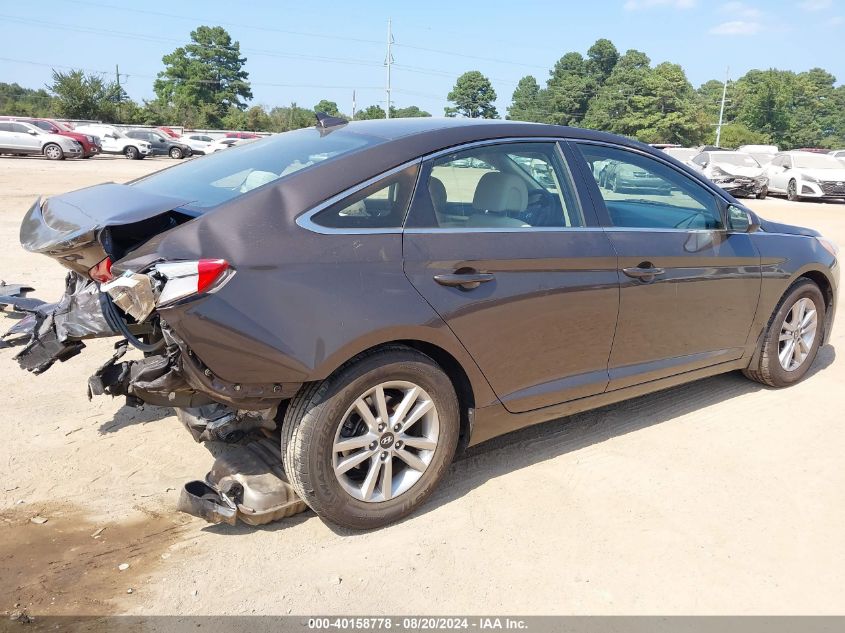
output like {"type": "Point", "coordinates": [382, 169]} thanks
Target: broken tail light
{"type": "Point", "coordinates": [189, 278]}
{"type": "Point", "coordinates": [101, 272]}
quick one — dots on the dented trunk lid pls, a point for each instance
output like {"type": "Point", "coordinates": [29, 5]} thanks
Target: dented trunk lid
{"type": "Point", "coordinates": [81, 228]}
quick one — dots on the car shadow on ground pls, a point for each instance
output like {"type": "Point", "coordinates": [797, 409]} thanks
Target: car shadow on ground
{"type": "Point", "coordinates": [541, 442]}
{"type": "Point", "coordinates": [129, 416]}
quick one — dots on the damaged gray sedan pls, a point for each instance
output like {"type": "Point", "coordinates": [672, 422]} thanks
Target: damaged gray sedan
{"type": "Point", "coordinates": [374, 296]}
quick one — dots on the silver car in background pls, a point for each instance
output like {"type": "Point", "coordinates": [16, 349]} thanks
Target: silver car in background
{"type": "Point", "coordinates": [19, 137]}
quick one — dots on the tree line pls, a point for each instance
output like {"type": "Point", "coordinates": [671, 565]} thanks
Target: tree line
{"type": "Point", "coordinates": [204, 84]}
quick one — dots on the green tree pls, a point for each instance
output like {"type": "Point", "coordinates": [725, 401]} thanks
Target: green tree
{"type": "Point", "coordinates": [407, 113]}
{"type": "Point", "coordinates": [736, 134]}
{"type": "Point", "coordinates": [328, 107]}
{"type": "Point", "coordinates": [473, 96]}
{"type": "Point", "coordinates": [14, 99]}
{"type": "Point", "coordinates": [284, 119]}
{"type": "Point", "coordinates": [525, 102]}
{"type": "Point", "coordinates": [602, 58]}
{"type": "Point", "coordinates": [85, 96]}
{"type": "Point", "coordinates": [568, 90]}
{"type": "Point", "coordinates": [370, 112]}
{"type": "Point", "coordinates": [202, 80]}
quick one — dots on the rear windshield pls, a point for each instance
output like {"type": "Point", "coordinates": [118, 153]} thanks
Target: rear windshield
{"type": "Point", "coordinates": [232, 172]}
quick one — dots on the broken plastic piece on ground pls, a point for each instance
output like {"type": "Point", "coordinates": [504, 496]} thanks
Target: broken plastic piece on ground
{"type": "Point", "coordinates": [246, 482]}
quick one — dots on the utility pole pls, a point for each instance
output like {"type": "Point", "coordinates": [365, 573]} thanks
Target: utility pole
{"type": "Point", "coordinates": [722, 108]}
{"type": "Point", "coordinates": [387, 62]}
{"type": "Point", "coordinates": [353, 104]}
{"type": "Point", "coordinates": [119, 99]}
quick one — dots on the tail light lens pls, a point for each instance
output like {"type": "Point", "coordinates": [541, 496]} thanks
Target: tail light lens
{"type": "Point", "coordinates": [189, 278]}
{"type": "Point", "coordinates": [102, 271]}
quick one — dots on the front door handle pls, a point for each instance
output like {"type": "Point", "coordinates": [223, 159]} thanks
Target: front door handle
{"type": "Point", "coordinates": [464, 280]}
{"type": "Point", "coordinates": [644, 272]}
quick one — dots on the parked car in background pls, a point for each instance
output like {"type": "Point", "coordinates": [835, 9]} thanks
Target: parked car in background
{"type": "Point", "coordinates": [162, 144]}
{"type": "Point", "coordinates": [20, 137]}
{"type": "Point", "coordinates": [622, 177]}
{"type": "Point", "coordinates": [114, 141]}
{"type": "Point", "coordinates": [806, 175]}
{"type": "Point", "coordinates": [737, 173]}
{"type": "Point", "coordinates": [90, 144]}
{"type": "Point", "coordinates": [223, 143]}
{"type": "Point", "coordinates": [383, 309]}
{"type": "Point", "coordinates": [167, 131]}
{"type": "Point", "coordinates": [839, 154]}
{"type": "Point", "coordinates": [763, 154]}
{"type": "Point", "coordinates": [242, 135]}
{"type": "Point", "coordinates": [683, 154]}
{"type": "Point", "coordinates": [197, 142]}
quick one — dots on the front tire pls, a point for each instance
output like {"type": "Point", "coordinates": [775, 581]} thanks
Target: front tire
{"type": "Point", "coordinates": [175, 153]}
{"type": "Point", "coordinates": [763, 193]}
{"type": "Point", "coordinates": [792, 191]}
{"type": "Point", "coordinates": [792, 338]}
{"type": "Point", "coordinates": [53, 152]}
{"type": "Point", "coordinates": [368, 445]}
{"type": "Point", "coordinates": [131, 153]}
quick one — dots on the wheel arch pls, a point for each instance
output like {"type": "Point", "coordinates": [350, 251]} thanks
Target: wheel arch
{"type": "Point", "coordinates": [470, 386]}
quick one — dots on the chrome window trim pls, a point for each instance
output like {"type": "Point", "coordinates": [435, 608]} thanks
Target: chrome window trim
{"type": "Point", "coordinates": [304, 220]}
{"type": "Point", "coordinates": [521, 230]}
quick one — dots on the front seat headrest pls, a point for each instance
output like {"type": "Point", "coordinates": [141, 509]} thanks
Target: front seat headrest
{"type": "Point", "coordinates": [498, 192]}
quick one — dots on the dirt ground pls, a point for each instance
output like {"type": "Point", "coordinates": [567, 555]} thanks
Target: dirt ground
{"type": "Point", "coordinates": [718, 497]}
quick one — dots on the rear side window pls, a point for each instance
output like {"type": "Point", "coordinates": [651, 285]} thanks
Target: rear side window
{"type": "Point", "coordinates": [641, 192]}
{"type": "Point", "coordinates": [223, 176]}
{"type": "Point", "coordinates": [381, 205]}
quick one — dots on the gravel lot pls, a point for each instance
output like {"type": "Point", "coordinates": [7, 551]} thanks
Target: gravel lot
{"type": "Point", "coordinates": [718, 497]}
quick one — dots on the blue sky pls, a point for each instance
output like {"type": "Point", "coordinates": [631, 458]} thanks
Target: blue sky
{"type": "Point", "coordinates": [303, 52]}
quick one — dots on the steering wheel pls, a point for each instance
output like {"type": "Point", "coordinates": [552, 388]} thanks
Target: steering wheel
{"type": "Point", "coordinates": [540, 206]}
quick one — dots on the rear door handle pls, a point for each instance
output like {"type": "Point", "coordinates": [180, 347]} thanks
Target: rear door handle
{"type": "Point", "coordinates": [645, 272]}
{"type": "Point", "coordinates": [466, 281]}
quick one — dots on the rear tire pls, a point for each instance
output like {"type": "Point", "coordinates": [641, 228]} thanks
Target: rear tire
{"type": "Point", "coordinates": [324, 414]}
{"type": "Point", "coordinates": [53, 152]}
{"type": "Point", "coordinates": [131, 152]}
{"type": "Point", "coordinates": [775, 367]}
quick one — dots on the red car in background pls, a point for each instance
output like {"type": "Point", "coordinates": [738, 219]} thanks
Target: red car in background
{"type": "Point", "coordinates": [167, 131]}
{"type": "Point", "coordinates": [241, 135]}
{"type": "Point", "coordinates": [90, 144]}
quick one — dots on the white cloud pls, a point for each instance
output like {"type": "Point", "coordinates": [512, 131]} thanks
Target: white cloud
{"type": "Point", "coordinates": [737, 27]}
{"type": "Point", "coordinates": [636, 5]}
{"type": "Point", "coordinates": [740, 10]}
{"type": "Point", "coordinates": [815, 5]}
{"type": "Point", "coordinates": [836, 21]}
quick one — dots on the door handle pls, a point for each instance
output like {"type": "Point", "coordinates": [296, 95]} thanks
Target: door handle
{"type": "Point", "coordinates": [644, 272]}
{"type": "Point", "coordinates": [464, 280]}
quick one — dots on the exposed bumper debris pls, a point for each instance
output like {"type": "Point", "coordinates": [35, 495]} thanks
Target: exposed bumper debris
{"type": "Point", "coordinates": [246, 482]}
{"type": "Point", "coordinates": [53, 332]}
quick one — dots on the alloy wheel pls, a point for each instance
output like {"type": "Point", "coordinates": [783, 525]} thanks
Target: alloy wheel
{"type": "Point", "coordinates": [53, 152]}
{"type": "Point", "coordinates": [385, 441]}
{"type": "Point", "coordinates": [797, 334]}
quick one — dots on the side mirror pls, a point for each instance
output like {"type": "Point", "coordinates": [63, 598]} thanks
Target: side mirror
{"type": "Point", "coordinates": [742, 220]}
{"type": "Point", "coordinates": [32, 132]}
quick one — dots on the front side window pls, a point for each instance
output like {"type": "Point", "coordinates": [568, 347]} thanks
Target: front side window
{"type": "Point", "coordinates": [44, 126]}
{"type": "Point", "coordinates": [506, 186]}
{"type": "Point", "coordinates": [381, 205]}
{"type": "Point", "coordinates": [19, 127]}
{"type": "Point", "coordinates": [641, 192]}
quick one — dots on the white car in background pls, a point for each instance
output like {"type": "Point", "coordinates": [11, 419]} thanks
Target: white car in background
{"type": "Point", "coordinates": [737, 173]}
{"type": "Point", "coordinates": [114, 141]}
{"type": "Point", "coordinates": [197, 142]}
{"type": "Point", "coordinates": [763, 154]}
{"type": "Point", "coordinates": [683, 154]}
{"type": "Point", "coordinates": [223, 143]}
{"type": "Point", "coordinates": [806, 175]}
{"type": "Point", "coordinates": [19, 137]}
{"type": "Point", "coordinates": [839, 154]}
